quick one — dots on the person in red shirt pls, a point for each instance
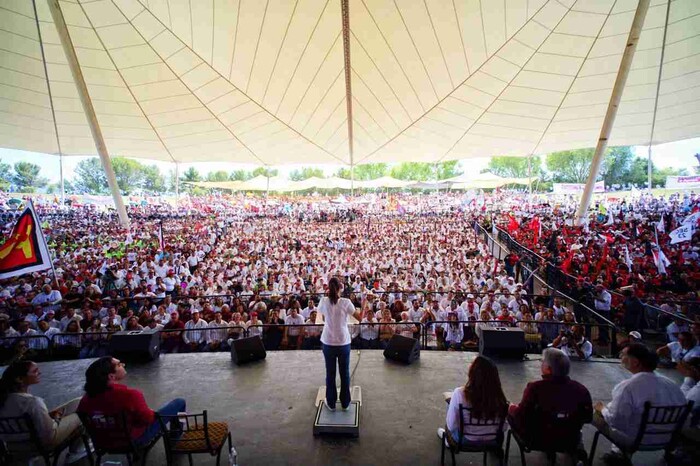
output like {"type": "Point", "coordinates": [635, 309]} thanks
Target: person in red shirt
{"type": "Point", "coordinates": [104, 396]}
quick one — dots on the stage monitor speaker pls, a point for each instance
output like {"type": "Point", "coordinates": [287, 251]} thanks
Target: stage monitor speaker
{"type": "Point", "coordinates": [402, 349]}
{"type": "Point", "coordinates": [503, 342]}
{"type": "Point", "coordinates": [135, 345]}
{"type": "Point", "coordinates": [246, 350]}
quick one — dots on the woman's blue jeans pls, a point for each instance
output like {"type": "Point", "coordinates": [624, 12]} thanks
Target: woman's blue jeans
{"type": "Point", "coordinates": [342, 355]}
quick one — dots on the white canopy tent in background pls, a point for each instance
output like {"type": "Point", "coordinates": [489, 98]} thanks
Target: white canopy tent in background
{"type": "Point", "coordinates": [268, 82]}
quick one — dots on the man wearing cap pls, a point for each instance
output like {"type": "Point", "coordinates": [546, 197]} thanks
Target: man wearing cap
{"type": "Point", "coordinates": [172, 340]}
{"type": "Point", "coordinates": [195, 334]}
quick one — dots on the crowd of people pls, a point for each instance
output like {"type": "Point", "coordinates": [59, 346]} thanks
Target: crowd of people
{"type": "Point", "coordinates": [218, 268]}
{"type": "Point", "coordinates": [625, 245]}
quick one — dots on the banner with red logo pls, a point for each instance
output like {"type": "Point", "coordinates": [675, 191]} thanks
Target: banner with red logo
{"type": "Point", "coordinates": [25, 250]}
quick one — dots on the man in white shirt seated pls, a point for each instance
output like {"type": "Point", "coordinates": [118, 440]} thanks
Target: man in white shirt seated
{"type": "Point", "coordinates": [574, 343]}
{"type": "Point", "coordinates": [684, 349]}
{"type": "Point", "coordinates": [620, 419]}
{"type": "Point", "coordinates": [691, 387]}
{"type": "Point", "coordinates": [195, 334]}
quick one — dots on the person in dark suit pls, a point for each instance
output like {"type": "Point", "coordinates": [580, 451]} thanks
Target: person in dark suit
{"type": "Point", "coordinates": [553, 410]}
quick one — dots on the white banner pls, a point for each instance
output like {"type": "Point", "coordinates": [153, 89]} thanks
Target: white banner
{"type": "Point", "coordinates": [682, 233]}
{"type": "Point", "coordinates": [691, 219]}
{"type": "Point", "coordinates": [683, 182]}
{"type": "Point", "coordinates": [577, 188]}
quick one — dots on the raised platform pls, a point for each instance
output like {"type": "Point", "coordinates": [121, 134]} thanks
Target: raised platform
{"type": "Point", "coordinates": [269, 404]}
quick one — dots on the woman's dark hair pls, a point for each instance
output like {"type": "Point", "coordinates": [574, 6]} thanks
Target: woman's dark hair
{"type": "Point", "coordinates": [8, 382]}
{"type": "Point", "coordinates": [483, 390]}
{"type": "Point", "coordinates": [334, 290]}
{"type": "Point", "coordinates": [97, 376]}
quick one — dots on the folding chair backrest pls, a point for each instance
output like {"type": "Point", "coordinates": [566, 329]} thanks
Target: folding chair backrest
{"type": "Point", "coordinates": [20, 429]}
{"type": "Point", "coordinates": [485, 430]}
{"type": "Point", "coordinates": [109, 433]}
{"type": "Point", "coordinates": [659, 425]}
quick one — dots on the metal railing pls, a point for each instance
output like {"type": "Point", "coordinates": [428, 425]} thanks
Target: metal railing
{"type": "Point", "coordinates": [364, 335]}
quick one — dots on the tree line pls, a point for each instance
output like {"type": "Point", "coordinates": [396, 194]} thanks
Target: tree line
{"type": "Point", "coordinates": [621, 167]}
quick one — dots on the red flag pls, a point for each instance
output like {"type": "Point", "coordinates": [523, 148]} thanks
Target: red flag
{"type": "Point", "coordinates": [24, 251]}
{"type": "Point", "coordinates": [512, 224]}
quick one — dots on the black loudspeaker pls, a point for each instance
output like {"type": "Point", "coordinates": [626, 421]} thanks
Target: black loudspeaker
{"type": "Point", "coordinates": [248, 349]}
{"type": "Point", "coordinates": [402, 349]}
{"type": "Point", "coordinates": [135, 345]}
{"type": "Point", "coordinates": [503, 342]}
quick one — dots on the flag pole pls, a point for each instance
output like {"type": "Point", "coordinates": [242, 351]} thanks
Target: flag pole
{"type": "Point", "coordinates": [43, 238]}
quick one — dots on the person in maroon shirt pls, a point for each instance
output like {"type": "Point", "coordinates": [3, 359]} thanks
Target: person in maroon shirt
{"type": "Point", "coordinates": [555, 397]}
{"type": "Point", "coordinates": [104, 396]}
{"type": "Point", "coordinates": [171, 342]}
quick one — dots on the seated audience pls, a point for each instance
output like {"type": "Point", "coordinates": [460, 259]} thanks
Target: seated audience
{"type": "Point", "coordinates": [574, 343]}
{"type": "Point", "coordinates": [52, 427]}
{"type": "Point", "coordinates": [684, 349]}
{"type": "Point", "coordinates": [484, 397]}
{"type": "Point", "coordinates": [553, 410]}
{"type": "Point", "coordinates": [105, 396]}
{"type": "Point", "coordinates": [620, 419]}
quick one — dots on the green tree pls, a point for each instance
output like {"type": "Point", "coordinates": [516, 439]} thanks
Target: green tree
{"type": "Point", "coordinates": [617, 166]}
{"type": "Point", "coordinates": [515, 167]}
{"type": "Point", "coordinates": [268, 172]}
{"type": "Point", "coordinates": [26, 177]}
{"type": "Point", "coordinates": [240, 175]}
{"type": "Point", "coordinates": [219, 175]}
{"type": "Point", "coordinates": [191, 175]}
{"type": "Point", "coordinates": [5, 175]}
{"type": "Point", "coordinates": [570, 166]}
{"type": "Point", "coordinates": [448, 170]}
{"type": "Point", "coordinates": [414, 171]}
{"type": "Point", "coordinates": [368, 171]}
{"type": "Point", "coordinates": [305, 172]}
{"type": "Point", "coordinates": [129, 174]}
{"type": "Point", "coordinates": [90, 177]}
{"type": "Point", "coordinates": [153, 179]}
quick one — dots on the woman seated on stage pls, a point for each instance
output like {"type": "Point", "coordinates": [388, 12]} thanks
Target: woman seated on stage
{"type": "Point", "coordinates": [484, 397]}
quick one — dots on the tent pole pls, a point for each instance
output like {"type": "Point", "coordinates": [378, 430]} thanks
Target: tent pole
{"type": "Point", "coordinates": [177, 183]}
{"type": "Point", "coordinates": [267, 188]}
{"type": "Point", "coordinates": [613, 105]}
{"type": "Point", "coordinates": [529, 174]}
{"type": "Point", "coordinates": [63, 186]}
{"type": "Point", "coordinates": [352, 180]}
{"type": "Point", "coordinates": [88, 108]}
{"type": "Point", "coordinates": [650, 166]}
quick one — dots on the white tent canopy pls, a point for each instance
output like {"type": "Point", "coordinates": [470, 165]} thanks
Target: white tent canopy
{"type": "Point", "coordinates": [263, 82]}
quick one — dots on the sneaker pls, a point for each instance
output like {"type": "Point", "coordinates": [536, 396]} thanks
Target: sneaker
{"type": "Point", "coordinates": [327, 406]}
{"type": "Point", "coordinates": [75, 456]}
{"type": "Point", "coordinates": [441, 433]}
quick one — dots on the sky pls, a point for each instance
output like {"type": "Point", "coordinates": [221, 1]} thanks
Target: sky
{"type": "Point", "coordinates": [678, 154]}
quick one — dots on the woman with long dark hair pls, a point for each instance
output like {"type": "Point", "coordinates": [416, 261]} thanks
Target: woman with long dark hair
{"type": "Point", "coordinates": [53, 428]}
{"type": "Point", "coordinates": [335, 340]}
{"type": "Point", "coordinates": [483, 395]}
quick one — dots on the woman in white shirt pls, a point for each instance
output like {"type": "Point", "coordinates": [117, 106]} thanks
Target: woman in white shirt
{"type": "Point", "coordinates": [484, 397]}
{"type": "Point", "coordinates": [52, 427]}
{"type": "Point", "coordinates": [335, 339]}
